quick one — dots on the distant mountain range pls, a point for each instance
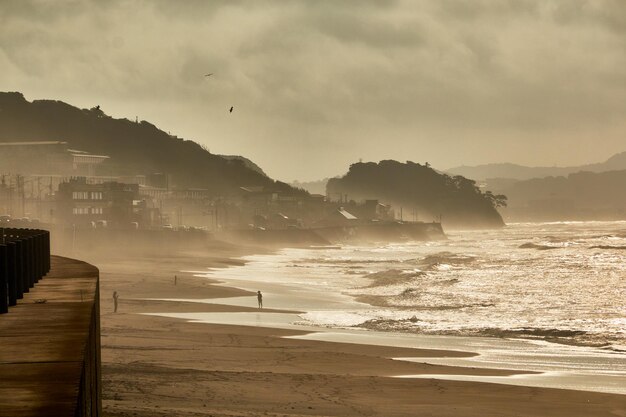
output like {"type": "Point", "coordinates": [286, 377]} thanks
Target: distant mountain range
{"type": "Point", "coordinates": [521, 172]}
{"type": "Point", "coordinates": [579, 196]}
{"type": "Point", "coordinates": [135, 148]}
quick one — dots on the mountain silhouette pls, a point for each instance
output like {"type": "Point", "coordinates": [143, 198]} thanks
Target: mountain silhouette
{"type": "Point", "coordinates": [521, 172]}
{"type": "Point", "coordinates": [135, 148]}
{"type": "Point", "coordinates": [419, 189]}
{"type": "Point", "coordinates": [579, 196]}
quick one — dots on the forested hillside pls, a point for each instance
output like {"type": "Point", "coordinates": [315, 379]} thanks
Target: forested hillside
{"type": "Point", "coordinates": [412, 186]}
{"type": "Point", "coordinates": [134, 148]}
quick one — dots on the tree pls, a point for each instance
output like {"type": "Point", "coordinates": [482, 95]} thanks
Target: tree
{"type": "Point", "coordinates": [499, 200]}
{"type": "Point", "coordinates": [96, 110]}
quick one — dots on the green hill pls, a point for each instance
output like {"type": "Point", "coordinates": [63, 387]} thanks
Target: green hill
{"type": "Point", "coordinates": [134, 148]}
{"type": "Point", "coordinates": [412, 186]}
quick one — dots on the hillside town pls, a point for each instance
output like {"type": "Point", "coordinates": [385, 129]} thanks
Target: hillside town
{"type": "Point", "coordinates": [47, 182]}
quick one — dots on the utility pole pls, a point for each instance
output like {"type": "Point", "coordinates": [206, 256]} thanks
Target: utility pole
{"type": "Point", "coordinates": [51, 211]}
{"type": "Point", "coordinates": [20, 190]}
{"type": "Point", "coordinates": [10, 191]}
{"type": "Point", "coordinates": [38, 198]}
{"type": "Point", "coordinates": [4, 189]}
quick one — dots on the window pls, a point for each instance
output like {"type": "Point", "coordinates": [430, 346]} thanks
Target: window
{"type": "Point", "coordinates": [96, 195]}
{"type": "Point", "coordinates": [80, 210]}
{"type": "Point", "coordinates": [96, 210]}
{"type": "Point", "coordinates": [80, 195]}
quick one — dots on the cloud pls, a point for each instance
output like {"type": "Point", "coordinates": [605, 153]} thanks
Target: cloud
{"type": "Point", "coordinates": [510, 74]}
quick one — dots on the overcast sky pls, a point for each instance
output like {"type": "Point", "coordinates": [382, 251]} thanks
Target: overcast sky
{"type": "Point", "coordinates": [317, 85]}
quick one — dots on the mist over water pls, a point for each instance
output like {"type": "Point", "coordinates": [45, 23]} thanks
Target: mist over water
{"type": "Point", "coordinates": [561, 282]}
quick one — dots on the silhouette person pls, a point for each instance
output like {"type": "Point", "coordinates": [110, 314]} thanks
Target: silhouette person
{"type": "Point", "coordinates": [259, 298]}
{"type": "Point", "coordinates": [115, 297]}
{"type": "Point", "coordinates": [175, 279]}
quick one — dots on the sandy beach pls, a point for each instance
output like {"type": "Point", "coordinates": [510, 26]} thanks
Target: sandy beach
{"type": "Point", "coordinates": [157, 366]}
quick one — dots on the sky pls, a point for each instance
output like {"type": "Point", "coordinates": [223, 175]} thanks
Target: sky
{"type": "Point", "coordinates": [318, 85]}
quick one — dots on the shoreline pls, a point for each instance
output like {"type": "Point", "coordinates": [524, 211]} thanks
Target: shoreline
{"type": "Point", "coordinates": [161, 366]}
{"type": "Point", "coordinates": [565, 366]}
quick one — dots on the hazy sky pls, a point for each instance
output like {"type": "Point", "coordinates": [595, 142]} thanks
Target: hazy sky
{"type": "Point", "coordinates": [317, 85]}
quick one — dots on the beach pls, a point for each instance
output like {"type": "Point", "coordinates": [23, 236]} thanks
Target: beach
{"type": "Point", "coordinates": [154, 365]}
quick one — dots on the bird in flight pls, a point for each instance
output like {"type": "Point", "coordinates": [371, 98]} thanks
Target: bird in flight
{"type": "Point", "coordinates": [208, 75]}
{"type": "Point", "coordinates": [231, 109]}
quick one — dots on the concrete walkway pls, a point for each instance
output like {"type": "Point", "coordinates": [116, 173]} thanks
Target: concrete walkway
{"type": "Point", "coordinates": [50, 351]}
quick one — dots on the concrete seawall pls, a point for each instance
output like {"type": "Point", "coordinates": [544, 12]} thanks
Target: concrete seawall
{"type": "Point", "coordinates": [50, 346]}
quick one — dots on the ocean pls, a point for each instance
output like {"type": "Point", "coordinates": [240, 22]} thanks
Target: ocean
{"type": "Point", "coordinates": [562, 282]}
{"type": "Point", "coordinates": [554, 291]}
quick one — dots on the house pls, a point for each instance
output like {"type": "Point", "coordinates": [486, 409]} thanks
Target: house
{"type": "Point", "coordinates": [281, 221]}
{"type": "Point", "coordinates": [339, 217]}
{"type": "Point", "coordinates": [84, 163]}
{"type": "Point", "coordinates": [374, 210]}
{"type": "Point", "coordinates": [84, 204]}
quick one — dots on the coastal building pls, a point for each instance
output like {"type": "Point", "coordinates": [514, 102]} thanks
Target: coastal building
{"type": "Point", "coordinates": [181, 206]}
{"type": "Point", "coordinates": [339, 217]}
{"type": "Point", "coordinates": [110, 204]}
{"type": "Point", "coordinates": [84, 163]}
{"type": "Point", "coordinates": [34, 157]}
{"type": "Point", "coordinates": [302, 209]}
{"type": "Point", "coordinates": [282, 221]}
{"type": "Point", "coordinates": [6, 198]}
{"type": "Point", "coordinates": [374, 210]}
{"type": "Point", "coordinates": [47, 157]}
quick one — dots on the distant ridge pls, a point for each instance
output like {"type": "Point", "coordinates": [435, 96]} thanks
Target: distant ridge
{"type": "Point", "coordinates": [583, 195]}
{"type": "Point", "coordinates": [134, 148]}
{"type": "Point", "coordinates": [521, 172]}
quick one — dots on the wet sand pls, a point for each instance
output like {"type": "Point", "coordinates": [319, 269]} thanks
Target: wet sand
{"type": "Point", "coordinates": [157, 366]}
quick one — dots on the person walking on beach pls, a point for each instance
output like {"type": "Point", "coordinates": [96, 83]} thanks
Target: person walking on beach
{"type": "Point", "coordinates": [259, 297]}
{"type": "Point", "coordinates": [115, 297]}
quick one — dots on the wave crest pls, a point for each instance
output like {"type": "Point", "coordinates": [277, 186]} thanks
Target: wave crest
{"type": "Point", "coordinates": [392, 277]}
{"type": "Point", "coordinates": [531, 245]}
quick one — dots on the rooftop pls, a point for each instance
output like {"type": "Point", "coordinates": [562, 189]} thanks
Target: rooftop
{"type": "Point", "coordinates": [345, 214]}
{"type": "Point", "coordinates": [40, 143]}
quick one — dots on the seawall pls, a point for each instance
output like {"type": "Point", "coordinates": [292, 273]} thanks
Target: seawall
{"type": "Point", "coordinates": [50, 346]}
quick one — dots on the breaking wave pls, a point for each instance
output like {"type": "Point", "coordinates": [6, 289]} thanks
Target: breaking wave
{"type": "Point", "coordinates": [445, 258]}
{"type": "Point", "coordinates": [393, 277]}
{"type": "Point", "coordinates": [414, 324]}
{"type": "Point", "coordinates": [509, 283]}
{"type": "Point", "coordinates": [608, 247]}
{"type": "Point", "coordinates": [536, 246]}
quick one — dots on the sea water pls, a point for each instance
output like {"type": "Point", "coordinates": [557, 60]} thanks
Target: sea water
{"type": "Point", "coordinates": [562, 282]}
{"type": "Point", "coordinates": [538, 292]}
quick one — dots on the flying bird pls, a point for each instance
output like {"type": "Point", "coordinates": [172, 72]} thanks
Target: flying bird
{"type": "Point", "coordinates": [208, 75]}
{"type": "Point", "coordinates": [231, 109]}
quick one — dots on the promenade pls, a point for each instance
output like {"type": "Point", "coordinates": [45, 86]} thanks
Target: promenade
{"type": "Point", "coordinates": [50, 346]}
